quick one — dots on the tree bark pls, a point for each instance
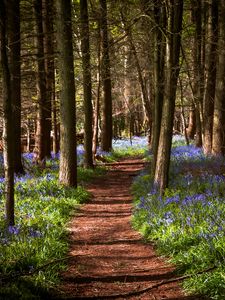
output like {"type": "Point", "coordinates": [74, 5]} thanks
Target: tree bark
{"type": "Point", "coordinates": [106, 138]}
{"type": "Point", "coordinates": [218, 144]}
{"type": "Point", "coordinates": [8, 130]}
{"type": "Point", "coordinates": [40, 137]}
{"type": "Point", "coordinates": [198, 62]}
{"type": "Point", "coordinates": [171, 75]}
{"type": "Point", "coordinates": [48, 30]}
{"type": "Point", "coordinates": [97, 98]}
{"type": "Point", "coordinates": [87, 86]}
{"type": "Point", "coordinates": [13, 13]}
{"type": "Point", "coordinates": [191, 130]}
{"type": "Point", "coordinates": [159, 61]}
{"type": "Point", "coordinates": [210, 84]}
{"type": "Point", "coordinates": [68, 156]}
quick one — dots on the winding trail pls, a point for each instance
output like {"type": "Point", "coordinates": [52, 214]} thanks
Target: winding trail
{"type": "Point", "coordinates": [111, 261]}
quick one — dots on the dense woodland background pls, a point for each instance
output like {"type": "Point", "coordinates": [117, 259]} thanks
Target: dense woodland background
{"type": "Point", "coordinates": [100, 70]}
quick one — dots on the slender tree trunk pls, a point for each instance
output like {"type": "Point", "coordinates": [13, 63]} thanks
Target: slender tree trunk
{"type": "Point", "coordinates": [182, 112]}
{"type": "Point", "coordinates": [106, 138]}
{"type": "Point", "coordinates": [211, 54]}
{"type": "Point", "coordinates": [68, 156]}
{"type": "Point", "coordinates": [159, 61]}
{"type": "Point", "coordinates": [48, 31]}
{"type": "Point", "coordinates": [198, 59]}
{"type": "Point", "coordinates": [96, 115]}
{"type": "Point", "coordinates": [218, 144]}
{"type": "Point", "coordinates": [172, 72]}
{"type": "Point", "coordinates": [97, 98]}
{"type": "Point", "coordinates": [13, 12]}
{"type": "Point", "coordinates": [40, 141]}
{"type": "Point", "coordinates": [8, 130]}
{"type": "Point", "coordinates": [87, 86]}
{"type": "Point", "coordinates": [191, 123]}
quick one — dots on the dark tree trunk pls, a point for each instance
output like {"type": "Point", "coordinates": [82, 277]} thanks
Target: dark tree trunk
{"type": "Point", "coordinates": [68, 156]}
{"type": "Point", "coordinates": [97, 98]}
{"type": "Point", "coordinates": [172, 72]}
{"type": "Point", "coordinates": [218, 145]}
{"type": "Point", "coordinates": [210, 84]}
{"type": "Point", "coordinates": [48, 13]}
{"type": "Point", "coordinates": [106, 138]}
{"type": "Point", "coordinates": [88, 114]}
{"type": "Point", "coordinates": [159, 60]}
{"type": "Point", "coordinates": [198, 59]}
{"type": "Point", "coordinates": [13, 13]}
{"type": "Point", "coordinates": [191, 130]}
{"type": "Point", "coordinates": [40, 138]}
{"type": "Point", "coordinates": [8, 130]}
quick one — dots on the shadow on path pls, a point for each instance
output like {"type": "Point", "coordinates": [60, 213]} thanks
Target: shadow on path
{"type": "Point", "coordinates": [111, 261]}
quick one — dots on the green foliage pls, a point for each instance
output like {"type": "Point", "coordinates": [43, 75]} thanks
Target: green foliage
{"type": "Point", "coordinates": [85, 175]}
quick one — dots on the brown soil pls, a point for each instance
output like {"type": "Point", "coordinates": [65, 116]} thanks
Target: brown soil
{"type": "Point", "coordinates": [111, 261]}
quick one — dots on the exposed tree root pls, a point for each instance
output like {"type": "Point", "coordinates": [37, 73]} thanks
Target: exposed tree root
{"type": "Point", "coordinates": [141, 291]}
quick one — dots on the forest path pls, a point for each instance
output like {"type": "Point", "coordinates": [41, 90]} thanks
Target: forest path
{"type": "Point", "coordinates": [110, 258]}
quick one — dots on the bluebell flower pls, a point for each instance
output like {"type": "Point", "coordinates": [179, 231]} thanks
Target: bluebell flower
{"type": "Point", "coordinates": [35, 233]}
{"type": "Point", "coordinates": [173, 199]}
{"type": "Point", "coordinates": [14, 229]}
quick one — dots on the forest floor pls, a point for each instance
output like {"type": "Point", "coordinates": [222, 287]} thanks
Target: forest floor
{"type": "Point", "coordinates": [109, 259]}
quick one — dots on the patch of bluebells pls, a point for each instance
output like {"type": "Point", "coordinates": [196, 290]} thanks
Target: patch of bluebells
{"type": "Point", "coordinates": [193, 208]}
{"type": "Point", "coordinates": [136, 142]}
{"type": "Point", "coordinates": [19, 232]}
{"type": "Point", "coordinates": [187, 152]}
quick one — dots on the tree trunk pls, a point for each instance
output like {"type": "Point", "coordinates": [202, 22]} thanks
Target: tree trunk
{"type": "Point", "coordinates": [198, 61]}
{"type": "Point", "coordinates": [40, 141]}
{"type": "Point", "coordinates": [13, 12]}
{"type": "Point", "coordinates": [68, 156]}
{"type": "Point", "coordinates": [159, 61]}
{"type": "Point", "coordinates": [218, 145]}
{"type": "Point", "coordinates": [106, 138]}
{"type": "Point", "coordinates": [211, 57]}
{"type": "Point", "coordinates": [96, 115]}
{"type": "Point", "coordinates": [87, 86]}
{"type": "Point", "coordinates": [8, 130]}
{"type": "Point", "coordinates": [97, 98]}
{"type": "Point", "coordinates": [191, 130]}
{"type": "Point", "coordinates": [48, 29]}
{"type": "Point", "coordinates": [172, 72]}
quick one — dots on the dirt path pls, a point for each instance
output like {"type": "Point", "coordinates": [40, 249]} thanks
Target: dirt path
{"type": "Point", "coordinates": [110, 258]}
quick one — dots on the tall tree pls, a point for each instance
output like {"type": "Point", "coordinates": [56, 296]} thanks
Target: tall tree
{"type": "Point", "coordinates": [171, 75]}
{"type": "Point", "coordinates": [68, 156]}
{"type": "Point", "coordinates": [106, 138]}
{"type": "Point", "coordinates": [198, 64]}
{"type": "Point", "coordinates": [88, 114]}
{"type": "Point", "coordinates": [210, 70]}
{"type": "Point", "coordinates": [96, 110]}
{"type": "Point", "coordinates": [8, 130]}
{"type": "Point", "coordinates": [218, 143]}
{"type": "Point", "coordinates": [14, 44]}
{"type": "Point", "coordinates": [48, 32]}
{"type": "Point", "coordinates": [40, 138]}
{"type": "Point", "coordinates": [159, 13]}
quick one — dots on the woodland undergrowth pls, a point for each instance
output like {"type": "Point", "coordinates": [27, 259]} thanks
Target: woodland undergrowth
{"type": "Point", "coordinates": [187, 224]}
